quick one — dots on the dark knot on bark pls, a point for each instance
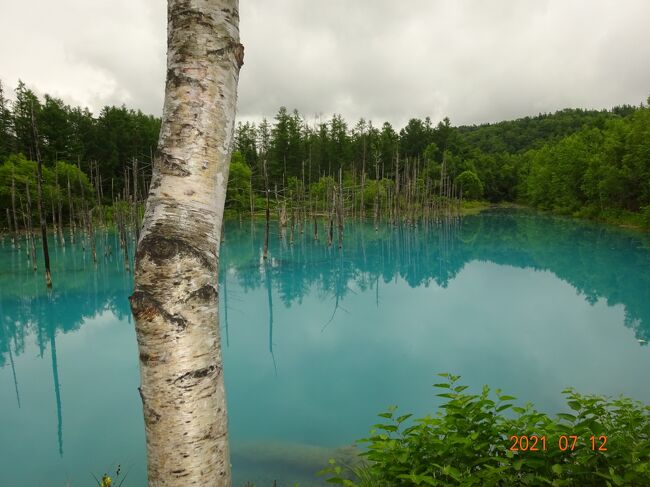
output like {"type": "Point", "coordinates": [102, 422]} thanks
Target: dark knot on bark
{"type": "Point", "coordinates": [238, 50]}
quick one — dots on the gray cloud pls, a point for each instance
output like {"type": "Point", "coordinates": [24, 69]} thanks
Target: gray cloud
{"type": "Point", "coordinates": [473, 61]}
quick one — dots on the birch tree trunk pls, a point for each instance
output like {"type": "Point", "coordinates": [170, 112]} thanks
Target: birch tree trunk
{"type": "Point", "coordinates": [175, 298]}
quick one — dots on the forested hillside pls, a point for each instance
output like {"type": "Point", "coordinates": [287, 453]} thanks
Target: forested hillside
{"type": "Point", "coordinates": [576, 162]}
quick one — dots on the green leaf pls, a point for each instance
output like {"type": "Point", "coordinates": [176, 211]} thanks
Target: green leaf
{"type": "Point", "coordinates": [568, 417]}
{"type": "Point", "coordinates": [575, 405]}
{"type": "Point", "coordinates": [507, 398]}
{"type": "Point", "coordinates": [451, 471]}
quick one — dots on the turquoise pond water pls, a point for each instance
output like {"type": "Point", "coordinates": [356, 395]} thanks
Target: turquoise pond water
{"type": "Point", "coordinates": [317, 341]}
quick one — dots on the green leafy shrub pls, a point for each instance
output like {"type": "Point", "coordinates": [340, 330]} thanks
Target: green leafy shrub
{"type": "Point", "coordinates": [238, 195]}
{"type": "Point", "coordinates": [21, 172]}
{"type": "Point", "coordinates": [321, 189]}
{"type": "Point", "coordinates": [470, 184]}
{"type": "Point", "coordinates": [469, 442]}
{"type": "Point", "coordinates": [375, 189]}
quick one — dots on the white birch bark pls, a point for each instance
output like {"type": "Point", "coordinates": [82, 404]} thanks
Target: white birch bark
{"type": "Point", "coordinates": [175, 298]}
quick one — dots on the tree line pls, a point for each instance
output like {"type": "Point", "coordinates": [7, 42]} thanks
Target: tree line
{"type": "Point", "coordinates": [593, 163]}
{"type": "Point", "coordinates": [103, 145]}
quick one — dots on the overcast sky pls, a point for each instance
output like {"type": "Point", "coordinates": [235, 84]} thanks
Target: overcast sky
{"type": "Point", "coordinates": [474, 61]}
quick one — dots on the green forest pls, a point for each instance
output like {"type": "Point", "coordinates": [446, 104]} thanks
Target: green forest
{"type": "Point", "coordinates": [585, 163]}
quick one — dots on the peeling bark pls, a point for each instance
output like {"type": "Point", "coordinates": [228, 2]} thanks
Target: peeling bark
{"type": "Point", "coordinates": [175, 298]}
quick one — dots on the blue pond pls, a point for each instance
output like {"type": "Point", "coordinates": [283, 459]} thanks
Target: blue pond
{"type": "Point", "coordinates": [318, 340]}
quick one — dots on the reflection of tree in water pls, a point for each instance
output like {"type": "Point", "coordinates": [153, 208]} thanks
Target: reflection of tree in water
{"type": "Point", "coordinates": [269, 294]}
{"type": "Point", "coordinates": [65, 311]}
{"type": "Point", "coordinates": [6, 336]}
{"type": "Point", "coordinates": [84, 291]}
{"type": "Point", "coordinates": [600, 262]}
{"type": "Point", "coordinates": [57, 387]}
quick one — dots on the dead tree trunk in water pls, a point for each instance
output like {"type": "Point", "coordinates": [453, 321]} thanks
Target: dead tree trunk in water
{"type": "Point", "coordinates": [88, 219]}
{"type": "Point", "coordinates": [59, 207]}
{"type": "Point", "coordinates": [124, 243]}
{"type": "Point", "coordinates": [136, 211]}
{"type": "Point", "coordinates": [98, 192]}
{"type": "Point", "coordinates": [377, 189]}
{"type": "Point", "coordinates": [39, 202]}
{"type": "Point", "coordinates": [71, 211]}
{"type": "Point", "coordinates": [30, 228]}
{"type": "Point", "coordinates": [339, 210]}
{"type": "Point", "coordinates": [266, 227]}
{"type": "Point", "coordinates": [175, 301]}
{"type": "Point", "coordinates": [91, 235]}
{"type": "Point", "coordinates": [267, 213]}
{"type": "Point", "coordinates": [11, 231]}
{"type": "Point", "coordinates": [54, 226]}
{"type": "Point", "coordinates": [330, 229]}
{"type": "Point", "coordinates": [250, 187]}
{"type": "Point", "coordinates": [13, 207]}
{"type": "Point", "coordinates": [83, 211]}
{"type": "Point", "coordinates": [282, 223]}
{"type": "Point", "coordinates": [397, 188]}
